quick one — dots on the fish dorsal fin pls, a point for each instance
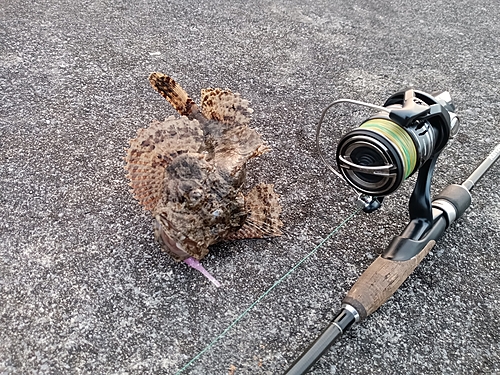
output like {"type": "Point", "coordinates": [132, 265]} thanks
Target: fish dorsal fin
{"type": "Point", "coordinates": [225, 106]}
{"type": "Point", "coordinates": [153, 150]}
{"type": "Point", "coordinates": [174, 93]}
{"type": "Point", "coordinates": [236, 146]}
{"type": "Point", "coordinates": [262, 205]}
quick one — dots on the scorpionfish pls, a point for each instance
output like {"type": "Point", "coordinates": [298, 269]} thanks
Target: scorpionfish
{"type": "Point", "coordinates": [189, 172]}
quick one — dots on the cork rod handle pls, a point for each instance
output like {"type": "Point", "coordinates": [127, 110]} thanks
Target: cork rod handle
{"type": "Point", "coordinates": [380, 281]}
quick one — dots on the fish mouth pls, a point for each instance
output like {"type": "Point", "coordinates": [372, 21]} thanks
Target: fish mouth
{"type": "Point", "coordinates": [167, 243]}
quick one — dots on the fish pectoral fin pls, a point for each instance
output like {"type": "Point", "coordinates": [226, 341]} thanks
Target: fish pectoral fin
{"type": "Point", "coordinates": [262, 205]}
{"type": "Point", "coordinates": [153, 150]}
{"type": "Point", "coordinates": [236, 146]}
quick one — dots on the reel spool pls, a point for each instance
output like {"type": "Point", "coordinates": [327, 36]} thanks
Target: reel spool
{"type": "Point", "coordinates": [409, 130]}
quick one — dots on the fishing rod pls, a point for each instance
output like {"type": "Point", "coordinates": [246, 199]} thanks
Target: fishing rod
{"type": "Point", "coordinates": [405, 136]}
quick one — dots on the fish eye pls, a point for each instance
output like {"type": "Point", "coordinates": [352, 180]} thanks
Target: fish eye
{"type": "Point", "coordinates": [195, 195]}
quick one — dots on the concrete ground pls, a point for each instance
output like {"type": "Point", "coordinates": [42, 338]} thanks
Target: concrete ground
{"type": "Point", "coordinates": [84, 289]}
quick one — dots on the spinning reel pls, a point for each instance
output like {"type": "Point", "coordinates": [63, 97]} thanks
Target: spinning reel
{"type": "Point", "coordinates": [406, 135]}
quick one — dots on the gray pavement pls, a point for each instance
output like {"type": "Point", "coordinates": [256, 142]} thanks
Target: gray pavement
{"type": "Point", "coordinates": [83, 286]}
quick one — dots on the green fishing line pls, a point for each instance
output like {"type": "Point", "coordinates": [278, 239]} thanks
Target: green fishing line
{"type": "Point", "coordinates": [279, 281]}
{"type": "Point", "coordinates": [399, 137]}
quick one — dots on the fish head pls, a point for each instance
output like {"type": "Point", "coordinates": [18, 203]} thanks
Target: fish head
{"type": "Point", "coordinates": [187, 179]}
{"type": "Point", "coordinates": [202, 201]}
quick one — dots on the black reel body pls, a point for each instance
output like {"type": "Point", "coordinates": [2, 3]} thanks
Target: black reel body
{"type": "Point", "coordinates": [393, 144]}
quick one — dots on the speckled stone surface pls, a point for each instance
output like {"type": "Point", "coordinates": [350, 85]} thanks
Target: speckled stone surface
{"type": "Point", "coordinates": [84, 289]}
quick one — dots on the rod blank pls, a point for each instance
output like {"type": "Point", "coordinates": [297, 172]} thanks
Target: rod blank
{"type": "Point", "coordinates": [482, 169]}
{"type": "Point", "coordinates": [345, 318]}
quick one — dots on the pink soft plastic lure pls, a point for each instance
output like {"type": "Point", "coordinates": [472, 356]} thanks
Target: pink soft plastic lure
{"type": "Point", "coordinates": [192, 262]}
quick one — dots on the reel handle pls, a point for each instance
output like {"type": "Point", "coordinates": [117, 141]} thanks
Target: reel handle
{"type": "Point", "coordinates": [380, 281]}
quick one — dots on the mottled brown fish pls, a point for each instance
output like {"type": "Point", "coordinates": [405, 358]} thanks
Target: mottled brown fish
{"type": "Point", "coordinates": [189, 172]}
